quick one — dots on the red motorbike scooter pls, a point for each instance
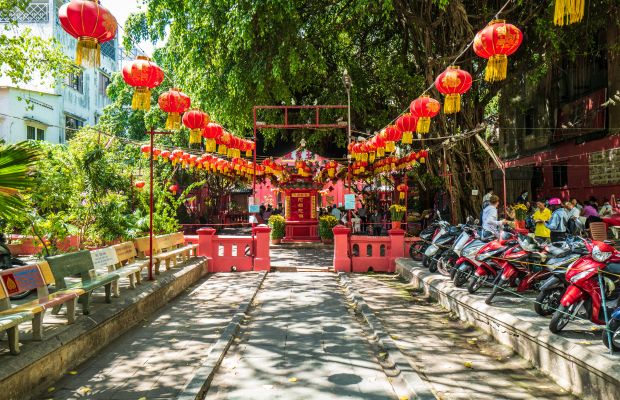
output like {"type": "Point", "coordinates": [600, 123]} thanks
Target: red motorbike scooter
{"type": "Point", "coordinates": [521, 267]}
{"type": "Point", "coordinates": [585, 291]}
{"type": "Point", "coordinates": [486, 267]}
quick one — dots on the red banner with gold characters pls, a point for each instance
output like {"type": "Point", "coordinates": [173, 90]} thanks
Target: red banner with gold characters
{"type": "Point", "coordinates": [300, 205]}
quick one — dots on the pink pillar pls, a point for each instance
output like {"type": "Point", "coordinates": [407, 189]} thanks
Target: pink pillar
{"type": "Point", "coordinates": [205, 246]}
{"type": "Point", "coordinates": [342, 262]}
{"type": "Point", "coordinates": [262, 260]}
{"type": "Point", "coordinates": [397, 244]}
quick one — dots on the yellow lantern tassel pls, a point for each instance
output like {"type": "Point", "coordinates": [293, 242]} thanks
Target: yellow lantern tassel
{"type": "Point", "coordinates": [194, 136]}
{"type": "Point", "coordinates": [422, 160]}
{"type": "Point", "coordinates": [496, 68]}
{"type": "Point", "coordinates": [452, 104]}
{"type": "Point", "coordinates": [87, 52]}
{"type": "Point", "coordinates": [221, 149]}
{"type": "Point", "coordinates": [210, 145]}
{"type": "Point", "coordinates": [380, 152]}
{"type": "Point", "coordinates": [365, 157]}
{"type": "Point", "coordinates": [248, 153]}
{"type": "Point", "coordinates": [401, 195]}
{"type": "Point", "coordinates": [141, 99]}
{"type": "Point", "coordinates": [568, 12]}
{"type": "Point", "coordinates": [331, 173]}
{"type": "Point", "coordinates": [371, 157]}
{"type": "Point", "coordinates": [390, 147]}
{"type": "Point", "coordinates": [173, 121]}
{"type": "Point", "coordinates": [407, 138]}
{"type": "Point", "coordinates": [424, 125]}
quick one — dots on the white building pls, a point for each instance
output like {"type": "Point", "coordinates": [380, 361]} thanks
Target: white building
{"type": "Point", "coordinates": [47, 110]}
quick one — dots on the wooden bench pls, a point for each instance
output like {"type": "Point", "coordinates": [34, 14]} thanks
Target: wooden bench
{"type": "Point", "coordinates": [80, 263]}
{"type": "Point", "coordinates": [167, 248]}
{"type": "Point", "coordinates": [107, 261]}
{"type": "Point", "coordinates": [30, 277]}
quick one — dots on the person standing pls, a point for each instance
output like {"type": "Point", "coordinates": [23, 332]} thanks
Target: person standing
{"type": "Point", "coordinates": [541, 215]}
{"type": "Point", "coordinates": [574, 224]}
{"type": "Point", "coordinates": [336, 212]}
{"type": "Point", "coordinates": [557, 223]}
{"type": "Point", "coordinates": [363, 214]}
{"type": "Point", "coordinates": [490, 222]}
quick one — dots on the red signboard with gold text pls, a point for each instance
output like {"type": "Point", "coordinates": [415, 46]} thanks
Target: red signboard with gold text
{"type": "Point", "coordinates": [300, 205]}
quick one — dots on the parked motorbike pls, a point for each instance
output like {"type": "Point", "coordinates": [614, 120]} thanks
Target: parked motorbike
{"type": "Point", "coordinates": [446, 262]}
{"type": "Point", "coordinates": [441, 244]}
{"type": "Point", "coordinates": [433, 248]}
{"type": "Point", "coordinates": [585, 292]}
{"type": "Point", "coordinates": [7, 261]}
{"type": "Point", "coordinates": [417, 249]}
{"type": "Point", "coordinates": [613, 327]}
{"type": "Point", "coordinates": [562, 256]}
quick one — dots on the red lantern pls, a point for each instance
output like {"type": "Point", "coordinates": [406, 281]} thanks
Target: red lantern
{"type": "Point", "coordinates": [407, 123]}
{"type": "Point", "coordinates": [402, 190]}
{"type": "Point", "coordinates": [453, 82]}
{"type": "Point", "coordinates": [223, 141]}
{"type": "Point", "coordinates": [165, 155]}
{"type": "Point", "coordinates": [424, 108]}
{"type": "Point", "coordinates": [176, 156]}
{"type": "Point", "coordinates": [91, 24]}
{"type": "Point", "coordinates": [144, 75]}
{"type": "Point", "coordinates": [139, 184]}
{"type": "Point", "coordinates": [195, 121]}
{"type": "Point", "coordinates": [174, 102]}
{"type": "Point", "coordinates": [174, 189]}
{"type": "Point", "coordinates": [156, 153]}
{"type": "Point", "coordinates": [146, 150]}
{"type": "Point", "coordinates": [212, 133]}
{"type": "Point", "coordinates": [496, 42]}
{"type": "Point", "coordinates": [391, 134]}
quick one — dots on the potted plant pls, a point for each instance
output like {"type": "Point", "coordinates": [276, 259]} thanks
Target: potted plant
{"type": "Point", "coordinates": [520, 211]}
{"type": "Point", "coordinates": [397, 212]}
{"type": "Point", "coordinates": [277, 224]}
{"type": "Point", "coordinates": [326, 226]}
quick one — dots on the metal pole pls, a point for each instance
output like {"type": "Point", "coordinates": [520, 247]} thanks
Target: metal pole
{"type": "Point", "coordinates": [254, 187]}
{"type": "Point", "coordinates": [348, 155]}
{"type": "Point", "coordinates": [151, 207]}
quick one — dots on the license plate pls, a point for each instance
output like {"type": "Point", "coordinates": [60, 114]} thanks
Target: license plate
{"type": "Point", "coordinates": [431, 250]}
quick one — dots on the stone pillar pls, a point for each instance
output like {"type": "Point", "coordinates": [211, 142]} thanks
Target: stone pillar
{"type": "Point", "coordinates": [205, 246]}
{"type": "Point", "coordinates": [262, 259]}
{"type": "Point", "coordinates": [342, 262]}
{"type": "Point", "coordinates": [397, 247]}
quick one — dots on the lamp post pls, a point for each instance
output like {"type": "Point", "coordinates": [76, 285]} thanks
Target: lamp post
{"type": "Point", "coordinates": [346, 80]}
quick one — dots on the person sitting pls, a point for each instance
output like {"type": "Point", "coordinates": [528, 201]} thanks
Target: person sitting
{"type": "Point", "coordinates": [558, 221]}
{"type": "Point", "coordinates": [606, 210]}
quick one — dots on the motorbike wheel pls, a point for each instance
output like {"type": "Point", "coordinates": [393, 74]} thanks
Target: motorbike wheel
{"type": "Point", "coordinates": [561, 318]}
{"type": "Point", "coordinates": [426, 261]}
{"type": "Point", "coordinates": [614, 328]}
{"type": "Point", "coordinates": [475, 283]}
{"type": "Point", "coordinates": [432, 266]}
{"type": "Point", "coordinates": [445, 265]}
{"type": "Point", "coordinates": [21, 295]}
{"type": "Point", "coordinates": [547, 301]}
{"type": "Point", "coordinates": [462, 276]}
{"type": "Point", "coordinates": [416, 251]}
{"type": "Point", "coordinates": [497, 285]}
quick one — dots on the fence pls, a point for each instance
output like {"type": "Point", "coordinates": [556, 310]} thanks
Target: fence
{"type": "Point", "coordinates": [355, 253]}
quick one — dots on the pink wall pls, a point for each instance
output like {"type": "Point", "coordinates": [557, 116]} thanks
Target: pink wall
{"type": "Point", "coordinates": [575, 156]}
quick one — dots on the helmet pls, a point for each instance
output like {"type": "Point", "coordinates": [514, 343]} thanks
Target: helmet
{"type": "Point", "coordinates": [555, 201]}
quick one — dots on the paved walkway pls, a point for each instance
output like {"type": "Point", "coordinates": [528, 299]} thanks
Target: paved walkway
{"type": "Point", "coordinates": [155, 359]}
{"type": "Point", "coordinates": [460, 362]}
{"type": "Point", "coordinates": [300, 342]}
{"type": "Point", "coordinates": [296, 256]}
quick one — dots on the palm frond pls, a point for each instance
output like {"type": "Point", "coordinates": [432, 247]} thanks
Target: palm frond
{"type": "Point", "coordinates": [16, 163]}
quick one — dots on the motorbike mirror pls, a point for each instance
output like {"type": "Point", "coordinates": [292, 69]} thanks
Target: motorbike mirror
{"type": "Point", "coordinates": [476, 221]}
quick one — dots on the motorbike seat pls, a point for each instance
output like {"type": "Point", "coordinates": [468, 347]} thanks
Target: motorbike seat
{"type": "Point", "coordinates": [613, 268]}
{"type": "Point", "coordinates": [557, 251]}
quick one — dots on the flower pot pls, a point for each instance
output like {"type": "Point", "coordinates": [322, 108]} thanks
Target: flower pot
{"type": "Point", "coordinates": [520, 224]}
{"type": "Point", "coordinates": [276, 241]}
{"type": "Point", "coordinates": [327, 241]}
{"type": "Point", "coordinates": [395, 224]}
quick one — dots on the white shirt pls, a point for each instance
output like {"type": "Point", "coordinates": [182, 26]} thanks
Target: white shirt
{"type": "Point", "coordinates": [489, 220]}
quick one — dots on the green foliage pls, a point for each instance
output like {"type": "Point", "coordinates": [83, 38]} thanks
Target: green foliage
{"type": "Point", "coordinates": [326, 224]}
{"type": "Point", "coordinates": [15, 164]}
{"type": "Point", "coordinates": [277, 224]}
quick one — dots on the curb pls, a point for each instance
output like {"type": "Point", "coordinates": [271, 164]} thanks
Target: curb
{"type": "Point", "coordinates": [197, 385]}
{"type": "Point", "coordinates": [571, 365]}
{"type": "Point", "coordinates": [418, 387]}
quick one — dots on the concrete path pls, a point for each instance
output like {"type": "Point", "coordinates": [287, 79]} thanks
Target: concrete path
{"type": "Point", "coordinates": [301, 342]}
{"type": "Point", "coordinates": [154, 360]}
{"type": "Point", "coordinates": [297, 257]}
{"type": "Point", "coordinates": [460, 362]}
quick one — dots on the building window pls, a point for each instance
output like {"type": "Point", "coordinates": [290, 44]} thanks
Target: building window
{"type": "Point", "coordinates": [104, 81]}
{"type": "Point", "coordinates": [108, 49]}
{"type": "Point", "coordinates": [72, 125]}
{"type": "Point", "coordinates": [560, 176]}
{"type": "Point", "coordinates": [75, 80]}
{"type": "Point", "coordinates": [33, 133]}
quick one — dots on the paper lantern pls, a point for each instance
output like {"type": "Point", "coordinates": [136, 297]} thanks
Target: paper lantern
{"type": "Point", "coordinates": [195, 121]}
{"type": "Point", "coordinates": [212, 133]}
{"type": "Point", "coordinates": [174, 189]}
{"type": "Point", "coordinates": [174, 102]}
{"type": "Point", "coordinates": [139, 184]}
{"type": "Point", "coordinates": [424, 108]}
{"type": "Point", "coordinates": [391, 134]}
{"type": "Point", "coordinates": [453, 82]}
{"type": "Point", "coordinates": [407, 123]}
{"type": "Point", "coordinates": [568, 11]}
{"type": "Point", "coordinates": [496, 42]}
{"type": "Point", "coordinates": [402, 190]}
{"type": "Point", "coordinates": [145, 149]}
{"type": "Point", "coordinates": [91, 24]}
{"type": "Point", "coordinates": [144, 75]}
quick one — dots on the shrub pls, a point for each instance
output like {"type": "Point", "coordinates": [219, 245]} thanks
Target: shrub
{"type": "Point", "coordinates": [397, 212]}
{"type": "Point", "coordinates": [326, 224]}
{"type": "Point", "coordinates": [276, 223]}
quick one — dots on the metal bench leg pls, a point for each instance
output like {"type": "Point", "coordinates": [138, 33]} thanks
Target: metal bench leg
{"type": "Point", "coordinates": [13, 334]}
{"type": "Point", "coordinates": [37, 326]}
{"type": "Point", "coordinates": [108, 292]}
{"type": "Point", "coordinates": [132, 281]}
{"type": "Point", "coordinates": [71, 310]}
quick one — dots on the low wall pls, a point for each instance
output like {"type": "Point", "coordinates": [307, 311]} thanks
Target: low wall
{"type": "Point", "coordinates": [581, 366]}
